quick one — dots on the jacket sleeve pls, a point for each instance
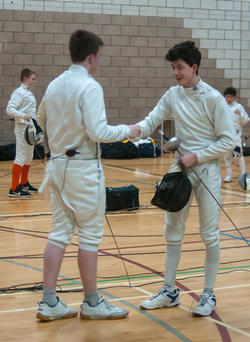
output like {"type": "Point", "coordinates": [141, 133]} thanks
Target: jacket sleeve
{"type": "Point", "coordinates": [224, 130]}
{"type": "Point", "coordinates": [244, 119]}
{"type": "Point", "coordinates": [42, 120]}
{"type": "Point", "coordinates": [14, 103]}
{"type": "Point", "coordinates": [161, 112]}
{"type": "Point", "coordinates": [94, 116]}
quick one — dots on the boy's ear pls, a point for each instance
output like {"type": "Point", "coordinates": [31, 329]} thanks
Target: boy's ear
{"type": "Point", "coordinates": [91, 58]}
{"type": "Point", "coordinates": [195, 67]}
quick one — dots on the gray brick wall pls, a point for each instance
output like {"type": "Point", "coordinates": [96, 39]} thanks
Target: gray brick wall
{"type": "Point", "coordinates": [133, 72]}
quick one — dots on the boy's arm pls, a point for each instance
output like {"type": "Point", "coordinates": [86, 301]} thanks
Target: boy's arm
{"type": "Point", "coordinates": [14, 103]}
{"type": "Point", "coordinates": [95, 120]}
{"type": "Point", "coordinates": [42, 120]}
{"type": "Point", "coordinates": [224, 130]}
{"type": "Point", "coordinates": [243, 116]}
{"type": "Point", "coordinates": [160, 112]}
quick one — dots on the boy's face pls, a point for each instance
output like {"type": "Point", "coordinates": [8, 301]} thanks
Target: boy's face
{"type": "Point", "coordinates": [95, 61]}
{"type": "Point", "coordinates": [229, 98]}
{"type": "Point", "coordinates": [30, 81]}
{"type": "Point", "coordinates": [184, 74]}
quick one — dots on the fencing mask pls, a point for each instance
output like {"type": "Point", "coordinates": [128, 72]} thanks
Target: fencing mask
{"type": "Point", "coordinates": [244, 181]}
{"type": "Point", "coordinates": [33, 133]}
{"type": "Point", "coordinates": [173, 193]}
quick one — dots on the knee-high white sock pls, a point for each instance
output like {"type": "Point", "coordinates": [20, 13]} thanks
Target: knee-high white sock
{"type": "Point", "coordinates": [242, 165]}
{"type": "Point", "coordinates": [228, 163]}
{"type": "Point", "coordinates": [173, 253]}
{"type": "Point", "coordinates": [211, 266]}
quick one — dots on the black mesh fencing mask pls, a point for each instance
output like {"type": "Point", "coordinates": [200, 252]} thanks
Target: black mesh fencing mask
{"type": "Point", "coordinates": [173, 193]}
{"type": "Point", "coordinates": [33, 133]}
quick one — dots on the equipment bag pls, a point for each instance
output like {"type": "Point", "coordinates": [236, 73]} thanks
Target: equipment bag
{"type": "Point", "coordinates": [126, 197]}
{"type": "Point", "coordinates": [119, 150]}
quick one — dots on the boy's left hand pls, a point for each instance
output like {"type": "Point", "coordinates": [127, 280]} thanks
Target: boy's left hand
{"type": "Point", "coordinates": [188, 159]}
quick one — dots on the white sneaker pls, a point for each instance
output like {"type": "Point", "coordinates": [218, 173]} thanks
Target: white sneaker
{"type": "Point", "coordinates": [50, 313]}
{"type": "Point", "coordinates": [161, 299]}
{"type": "Point", "coordinates": [103, 310]}
{"type": "Point", "coordinates": [206, 305]}
{"type": "Point", "coordinates": [228, 179]}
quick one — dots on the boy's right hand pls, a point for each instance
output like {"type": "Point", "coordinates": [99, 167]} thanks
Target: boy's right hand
{"type": "Point", "coordinates": [27, 117]}
{"type": "Point", "coordinates": [135, 130]}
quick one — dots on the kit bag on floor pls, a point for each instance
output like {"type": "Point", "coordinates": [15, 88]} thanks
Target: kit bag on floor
{"type": "Point", "coordinates": [119, 150]}
{"type": "Point", "coordinates": [126, 197]}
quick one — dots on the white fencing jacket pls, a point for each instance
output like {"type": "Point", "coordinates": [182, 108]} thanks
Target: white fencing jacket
{"type": "Point", "coordinates": [201, 120]}
{"type": "Point", "coordinates": [73, 114]}
{"type": "Point", "coordinates": [22, 102]}
{"type": "Point", "coordinates": [239, 121]}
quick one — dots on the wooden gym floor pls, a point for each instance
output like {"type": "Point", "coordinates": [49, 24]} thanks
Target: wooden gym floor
{"type": "Point", "coordinates": [24, 229]}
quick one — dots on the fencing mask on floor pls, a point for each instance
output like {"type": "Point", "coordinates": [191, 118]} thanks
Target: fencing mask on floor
{"type": "Point", "coordinates": [33, 133]}
{"type": "Point", "coordinates": [173, 193]}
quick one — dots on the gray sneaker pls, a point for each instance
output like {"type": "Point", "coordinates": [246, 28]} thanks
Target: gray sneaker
{"type": "Point", "coordinates": [161, 299]}
{"type": "Point", "coordinates": [103, 310]}
{"type": "Point", "coordinates": [50, 313]}
{"type": "Point", "coordinates": [206, 305]}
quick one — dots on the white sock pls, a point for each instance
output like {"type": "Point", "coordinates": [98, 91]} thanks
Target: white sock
{"type": "Point", "coordinates": [211, 266]}
{"type": "Point", "coordinates": [242, 165]}
{"type": "Point", "coordinates": [173, 254]}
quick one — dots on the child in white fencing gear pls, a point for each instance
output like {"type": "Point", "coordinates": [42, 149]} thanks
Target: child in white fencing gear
{"type": "Point", "coordinates": [22, 107]}
{"type": "Point", "coordinates": [240, 119]}
{"type": "Point", "coordinates": [72, 112]}
{"type": "Point", "coordinates": [206, 131]}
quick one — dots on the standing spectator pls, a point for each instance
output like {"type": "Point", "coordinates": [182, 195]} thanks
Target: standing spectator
{"type": "Point", "coordinates": [21, 107]}
{"type": "Point", "coordinates": [240, 119]}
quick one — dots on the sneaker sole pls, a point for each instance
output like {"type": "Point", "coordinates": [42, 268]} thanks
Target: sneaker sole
{"type": "Point", "coordinates": [82, 316]}
{"type": "Point", "coordinates": [44, 318]}
{"type": "Point", "coordinates": [194, 314]}
{"type": "Point", "coordinates": [160, 307]}
{"type": "Point", "coordinates": [17, 196]}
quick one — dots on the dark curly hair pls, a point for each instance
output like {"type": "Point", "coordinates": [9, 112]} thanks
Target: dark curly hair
{"type": "Point", "coordinates": [186, 51]}
{"type": "Point", "coordinates": [230, 91]}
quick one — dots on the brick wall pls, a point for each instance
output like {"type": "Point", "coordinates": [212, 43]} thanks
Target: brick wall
{"type": "Point", "coordinates": [133, 72]}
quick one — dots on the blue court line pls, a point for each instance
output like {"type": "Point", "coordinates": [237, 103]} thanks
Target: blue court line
{"type": "Point", "coordinates": [142, 312]}
{"type": "Point", "coordinates": [235, 237]}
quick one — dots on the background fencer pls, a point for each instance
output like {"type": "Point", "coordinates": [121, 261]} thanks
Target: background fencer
{"type": "Point", "coordinates": [21, 107]}
{"type": "Point", "coordinates": [240, 119]}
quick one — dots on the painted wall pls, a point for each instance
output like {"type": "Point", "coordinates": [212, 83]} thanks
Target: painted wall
{"type": "Point", "coordinates": [137, 35]}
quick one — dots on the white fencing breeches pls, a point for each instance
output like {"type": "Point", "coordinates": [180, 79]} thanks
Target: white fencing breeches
{"type": "Point", "coordinates": [209, 210]}
{"type": "Point", "coordinates": [24, 151]}
{"type": "Point", "coordinates": [77, 193]}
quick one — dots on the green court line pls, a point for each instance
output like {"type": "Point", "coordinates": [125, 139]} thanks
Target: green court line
{"type": "Point", "coordinates": [157, 320]}
{"type": "Point", "coordinates": [155, 275]}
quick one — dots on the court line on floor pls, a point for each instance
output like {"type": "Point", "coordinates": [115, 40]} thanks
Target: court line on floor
{"type": "Point", "coordinates": [228, 326]}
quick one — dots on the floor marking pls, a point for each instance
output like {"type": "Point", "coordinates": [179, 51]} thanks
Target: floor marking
{"type": "Point", "coordinates": [144, 173]}
{"type": "Point", "coordinates": [26, 214]}
{"type": "Point", "coordinates": [242, 332]}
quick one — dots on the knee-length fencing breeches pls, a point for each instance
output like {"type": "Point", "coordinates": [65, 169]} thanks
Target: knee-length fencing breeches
{"type": "Point", "coordinates": [24, 151]}
{"type": "Point", "coordinates": [77, 193]}
{"type": "Point", "coordinates": [209, 210]}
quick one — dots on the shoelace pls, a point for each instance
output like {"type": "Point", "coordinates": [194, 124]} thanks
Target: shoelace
{"type": "Point", "coordinates": [204, 300]}
{"type": "Point", "coordinates": [108, 304]}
